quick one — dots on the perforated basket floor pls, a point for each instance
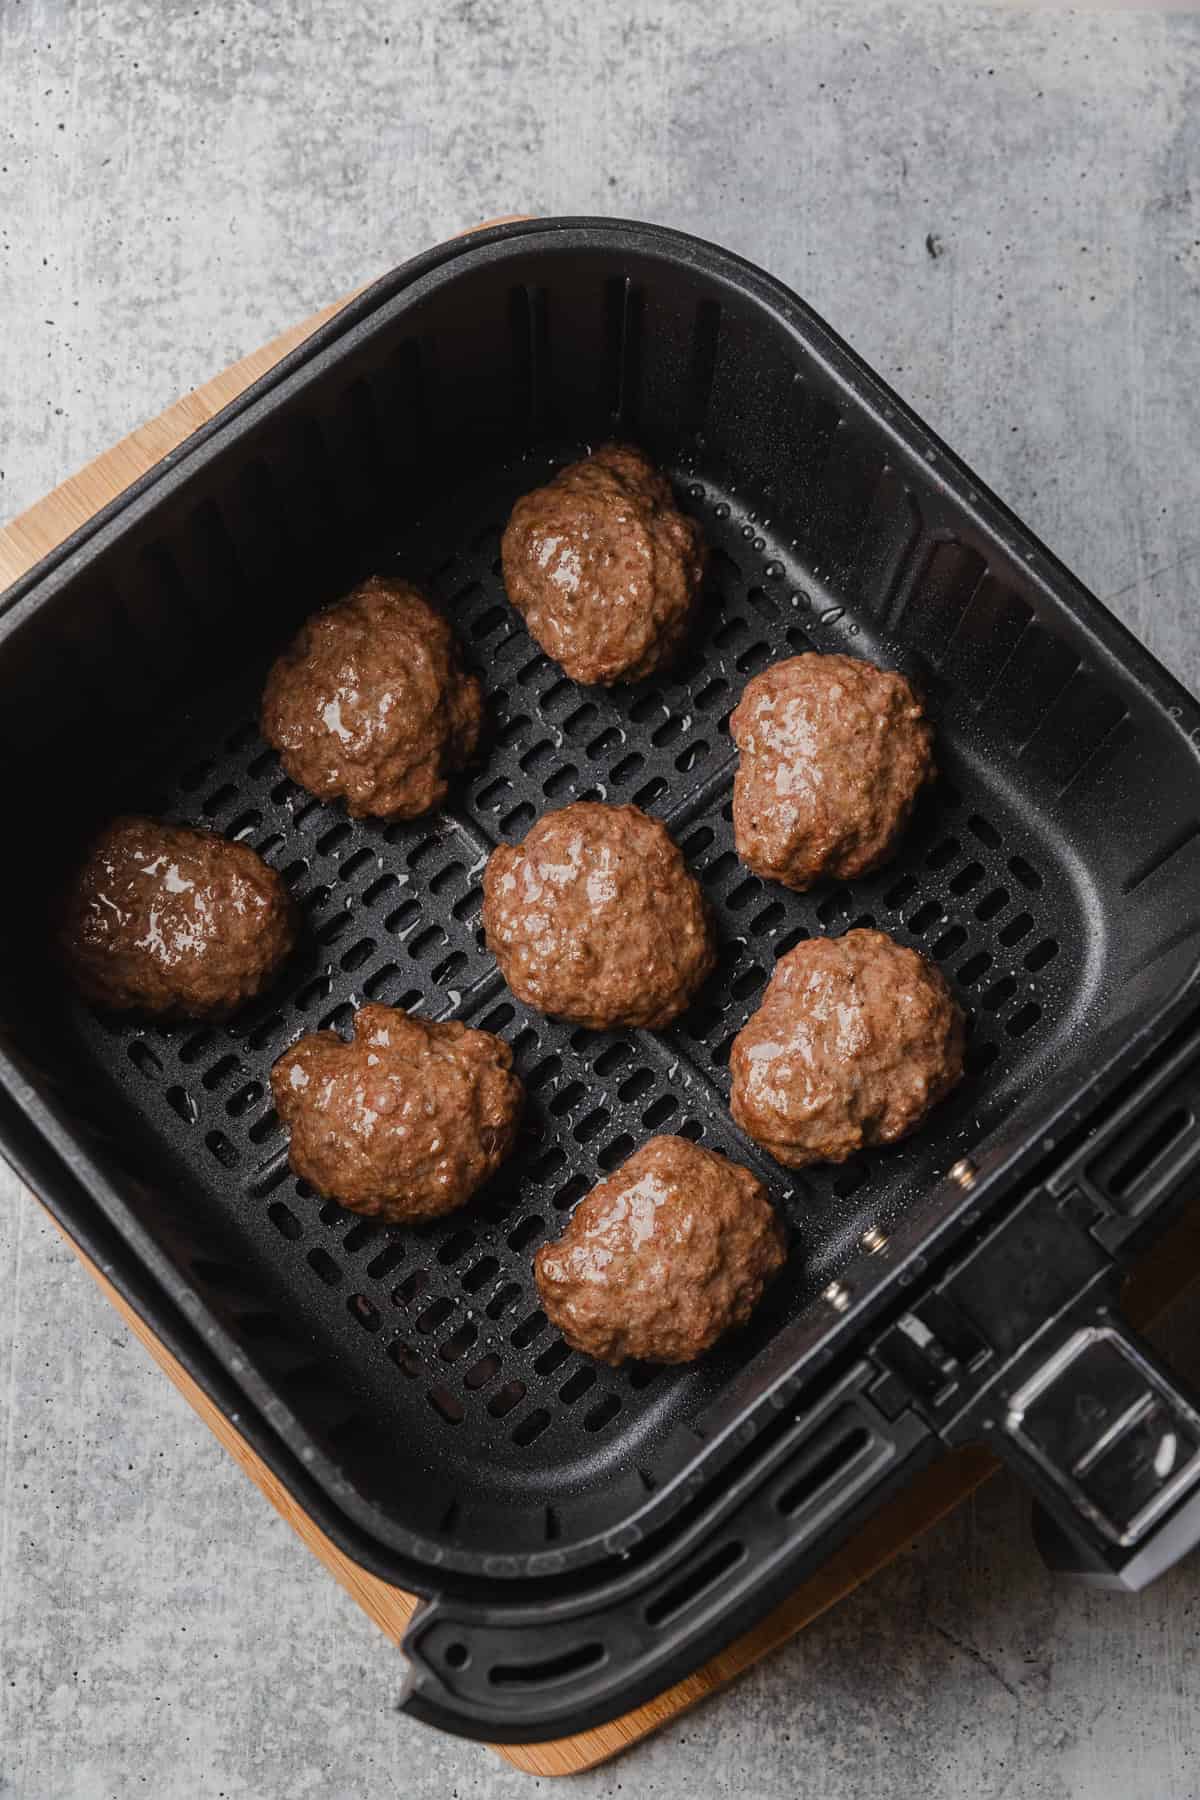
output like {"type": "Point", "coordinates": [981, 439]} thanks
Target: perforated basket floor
{"type": "Point", "coordinates": [1050, 871]}
{"type": "Point", "coordinates": [424, 1351]}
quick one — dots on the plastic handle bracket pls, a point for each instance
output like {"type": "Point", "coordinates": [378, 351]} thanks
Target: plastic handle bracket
{"type": "Point", "coordinates": [1101, 1432]}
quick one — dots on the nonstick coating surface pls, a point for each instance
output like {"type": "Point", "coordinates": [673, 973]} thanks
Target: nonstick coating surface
{"type": "Point", "coordinates": [429, 1344]}
{"type": "Point", "coordinates": [1050, 871]}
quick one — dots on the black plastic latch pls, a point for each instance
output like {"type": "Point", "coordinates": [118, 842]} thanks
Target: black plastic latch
{"type": "Point", "coordinates": [1025, 1274]}
{"type": "Point", "coordinates": [959, 1337]}
{"type": "Point", "coordinates": [1021, 1346]}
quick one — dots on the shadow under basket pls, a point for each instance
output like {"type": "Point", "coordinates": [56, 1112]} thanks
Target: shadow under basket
{"type": "Point", "coordinates": [1051, 873]}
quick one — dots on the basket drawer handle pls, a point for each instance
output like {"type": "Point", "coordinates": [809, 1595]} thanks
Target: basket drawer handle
{"type": "Point", "coordinates": [1111, 1447]}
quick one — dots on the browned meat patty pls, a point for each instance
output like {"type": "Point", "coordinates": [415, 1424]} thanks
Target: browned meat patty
{"type": "Point", "coordinates": [403, 1122]}
{"type": "Point", "coordinates": [834, 753]}
{"type": "Point", "coordinates": [163, 919]}
{"type": "Point", "coordinates": [663, 1257]}
{"type": "Point", "coordinates": [370, 701]}
{"type": "Point", "coordinates": [604, 567]}
{"type": "Point", "coordinates": [595, 918]}
{"type": "Point", "coordinates": [855, 1040]}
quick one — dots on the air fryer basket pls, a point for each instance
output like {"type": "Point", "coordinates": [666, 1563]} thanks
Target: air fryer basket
{"type": "Point", "coordinates": [1050, 873]}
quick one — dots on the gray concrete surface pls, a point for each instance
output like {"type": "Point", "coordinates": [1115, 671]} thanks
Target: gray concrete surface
{"type": "Point", "coordinates": [1001, 209]}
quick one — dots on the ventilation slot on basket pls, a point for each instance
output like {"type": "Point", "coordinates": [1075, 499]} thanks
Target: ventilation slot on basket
{"type": "Point", "coordinates": [1016, 929]}
{"type": "Point", "coordinates": [577, 1385]}
{"type": "Point", "coordinates": [1026, 874]}
{"type": "Point", "coordinates": [181, 1102]}
{"type": "Point", "coordinates": [506, 1398]}
{"type": "Point", "coordinates": [220, 1146]}
{"type": "Point", "coordinates": [1160, 858]}
{"type": "Point", "coordinates": [504, 1299]}
{"type": "Point", "coordinates": [1139, 1162]}
{"type": "Point", "coordinates": [526, 1233]}
{"type": "Point", "coordinates": [702, 367]}
{"type": "Point", "coordinates": [221, 1069]}
{"type": "Point", "coordinates": [481, 1372]}
{"type": "Point", "coordinates": [624, 305]}
{"type": "Point", "coordinates": [434, 1316]}
{"type": "Point", "coordinates": [822, 1471]}
{"type": "Point", "coordinates": [240, 1102]}
{"type": "Point", "coordinates": [695, 1584]}
{"type": "Point", "coordinates": [603, 1413]}
{"type": "Point", "coordinates": [635, 1085]}
{"type": "Point", "coordinates": [389, 1258]}
{"type": "Point", "coordinates": [549, 1671]}
{"type": "Point", "coordinates": [285, 1221]}
{"type": "Point", "coordinates": [480, 1273]}
{"type": "Point", "coordinates": [463, 1340]}
{"type": "Point", "coordinates": [531, 1427]}
{"type": "Point", "coordinates": [144, 1060]}
{"type": "Point", "coordinates": [948, 943]}
{"type": "Point", "coordinates": [322, 1264]}
{"type": "Point", "coordinates": [364, 1312]}
{"type": "Point", "coordinates": [447, 1405]}
{"type": "Point", "coordinates": [615, 1153]}
{"type": "Point", "coordinates": [1024, 1019]}
{"type": "Point", "coordinates": [405, 1358]}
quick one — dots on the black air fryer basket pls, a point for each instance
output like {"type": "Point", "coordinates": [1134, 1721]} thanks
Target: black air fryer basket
{"type": "Point", "coordinates": [583, 1536]}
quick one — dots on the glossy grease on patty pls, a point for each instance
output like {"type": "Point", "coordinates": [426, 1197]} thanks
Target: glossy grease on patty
{"type": "Point", "coordinates": [596, 918]}
{"type": "Point", "coordinates": [663, 1257]}
{"type": "Point", "coordinates": [833, 754]}
{"type": "Point", "coordinates": [406, 1120]}
{"type": "Point", "coordinates": [168, 920]}
{"type": "Point", "coordinates": [604, 567]}
{"type": "Point", "coordinates": [370, 702]}
{"type": "Point", "coordinates": [855, 1039]}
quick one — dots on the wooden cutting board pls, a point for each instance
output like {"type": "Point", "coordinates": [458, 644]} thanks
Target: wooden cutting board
{"type": "Point", "coordinates": [1171, 1268]}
